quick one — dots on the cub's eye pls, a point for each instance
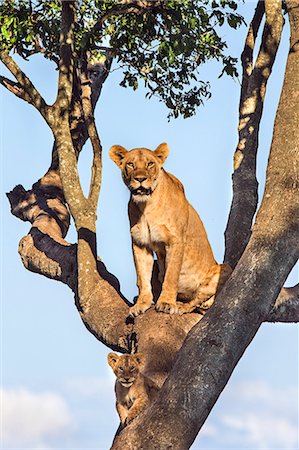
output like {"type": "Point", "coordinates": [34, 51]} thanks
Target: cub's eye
{"type": "Point", "coordinates": [150, 164]}
{"type": "Point", "coordinates": [132, 368]}
{"type": "Point", "coordinates": [121, 368]}
{"type": "Point", "coordinates": [130, 165]}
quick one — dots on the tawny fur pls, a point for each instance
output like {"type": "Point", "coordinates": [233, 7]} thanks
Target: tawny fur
{"type": "Point", "coordinates": [163, 222]}
{"type": "Point", "coordinates": [134, 391]}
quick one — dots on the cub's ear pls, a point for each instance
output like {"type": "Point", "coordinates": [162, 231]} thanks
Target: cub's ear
{"type": "Point", "coordinates": [112, 359]}
{"type": "Point", "coordinates": [161, 152]}
{"type": "Point", "coordinates": [140, 359]}
{"type": "Point", "coordinates": [117, 154]}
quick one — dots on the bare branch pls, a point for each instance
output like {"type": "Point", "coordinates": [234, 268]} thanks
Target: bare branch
{"type": "Point", "coordinates": [286, 308]}
{"type": "Point", "coordinates": [29, 92]}
{"type": "Point", "coordinates": [245, 197]}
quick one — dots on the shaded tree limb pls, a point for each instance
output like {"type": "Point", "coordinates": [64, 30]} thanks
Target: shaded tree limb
{"type": "Point", "coordinates": [96, 170]}
{"type": "Point", "coordinates": [45, 251]}
{"type": "Point", "coordinates": [220, 339]}
{"type": "Point", "coordinates": [286, 308]}
{"type": "Point", "coordinates": [245, 185]}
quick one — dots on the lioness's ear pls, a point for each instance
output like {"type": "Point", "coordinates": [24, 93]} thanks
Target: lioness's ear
{"type": "Point", "coordinates": [112, 359]}
{"type": "Point", "coordinates": [161, 152]}
{"type": "Point", "coordinates": [117, 154]}
{"type": "Point", "coordinates": [139, 357]}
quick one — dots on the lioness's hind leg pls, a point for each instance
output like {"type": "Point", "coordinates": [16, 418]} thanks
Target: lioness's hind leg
{"type": "Point", "coordinates": [215, 280]}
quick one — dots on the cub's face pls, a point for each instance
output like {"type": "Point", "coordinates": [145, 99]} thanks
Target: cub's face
{"type": "Point", "coordinates": [140, 168]}
{"type": "Point", "coordinates": [126, 367]}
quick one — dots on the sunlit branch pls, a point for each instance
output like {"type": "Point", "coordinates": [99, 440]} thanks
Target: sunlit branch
{"type": "Point", "coordinates": [245, 185]}
{"type": "Point", "coordinates": [247, 54]}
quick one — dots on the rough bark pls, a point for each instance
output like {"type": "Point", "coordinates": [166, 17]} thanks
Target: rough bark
{"type": "Point", "coordinates": [219, 340]}
{"type": "Point", "coordinates": [245, 185]}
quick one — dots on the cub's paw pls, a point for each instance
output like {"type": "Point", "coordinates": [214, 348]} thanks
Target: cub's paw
{"type": "Point", "coordinates": [207, 303]}
{"type": "Point", "coordinates": [142, 305]}
{"type": "Point", "coordinates": [167, 306]}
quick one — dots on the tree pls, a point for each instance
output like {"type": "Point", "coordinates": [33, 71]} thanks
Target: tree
{"type": "Point", "coordinates": [271, 247]}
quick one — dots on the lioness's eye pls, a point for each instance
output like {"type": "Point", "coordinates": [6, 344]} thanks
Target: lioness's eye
{"type": "Point", "coordinates": [151, 164]}
{"type": "Point", "coordinates": [121, 368]}
{"type": "Point", "coordinates": [130, 165]}
{"type": "Point", "coordinates": [132, 368]}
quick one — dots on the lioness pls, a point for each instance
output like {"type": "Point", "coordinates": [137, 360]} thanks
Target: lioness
{"type": "Point", "coordinates": [133, 390]}
{"type": "Point", "coordinates": [163, 222]}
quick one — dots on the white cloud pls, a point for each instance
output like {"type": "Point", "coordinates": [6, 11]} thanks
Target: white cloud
{"type": "Point", "coordinates": [209, 430]}
{"type": "Point", "coordinates": [31, 418]}
{"type": "Point", "coordinates": [262, 431]}
{"type": "Point", "coordinates": [253, 415]}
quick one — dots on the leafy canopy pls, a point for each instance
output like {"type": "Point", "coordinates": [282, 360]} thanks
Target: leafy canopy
{"type": "Point", "coordinates": [163, 44]}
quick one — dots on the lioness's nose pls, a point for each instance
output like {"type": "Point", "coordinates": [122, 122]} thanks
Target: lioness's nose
{"type": "Point", "coordinates": [140, 178]}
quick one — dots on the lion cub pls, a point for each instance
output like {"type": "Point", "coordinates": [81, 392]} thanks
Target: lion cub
{"type": "Point", "coordinates": [164, 223]}
{"type": "Point", "coordinates": [134, 391]}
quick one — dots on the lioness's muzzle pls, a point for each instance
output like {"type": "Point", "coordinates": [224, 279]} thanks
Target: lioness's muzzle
{"type": "Point", "coordinates": [141, 191]}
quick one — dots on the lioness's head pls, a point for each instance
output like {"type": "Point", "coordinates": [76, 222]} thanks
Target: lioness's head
{"type": "Point", "coordinates": [126, 367]}
{"type": "Point", "coordinates": [140, 168]}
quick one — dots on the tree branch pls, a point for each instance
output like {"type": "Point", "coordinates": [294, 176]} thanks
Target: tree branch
{"type": "Point", "coordinates": [124, 7]}
{"type": "Point", "coordinates": [245, 195]}
{"type": "Point", "coordinates": [15, 88]}
{"type": "Point", "coordinates": [66, 62]}
{"type": "Point", "coordinates": [45, 251]}
{"type": "Point", "coordinates": [28, 92]}
{"type": "Point", "coordinates": [96, 171]}
{"type": "Point", "coordinates": [247, 54]}
{"type": "Point", "coordinates": [286, 308]}
{"type": "Point", "coordinates": [66, 152]}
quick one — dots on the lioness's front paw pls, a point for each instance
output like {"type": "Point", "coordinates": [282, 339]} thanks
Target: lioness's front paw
{"type": "Point", "coordinates": [167, 306]}
{"type": "Point", "coordinates": [142, 305]}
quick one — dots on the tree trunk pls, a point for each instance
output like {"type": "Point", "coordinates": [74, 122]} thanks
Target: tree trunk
{"type": "Point", "coordinates": [219, 340]}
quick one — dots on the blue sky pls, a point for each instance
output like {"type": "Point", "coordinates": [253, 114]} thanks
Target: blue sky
{"type": "Point", "coordinates": [57, 389]}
